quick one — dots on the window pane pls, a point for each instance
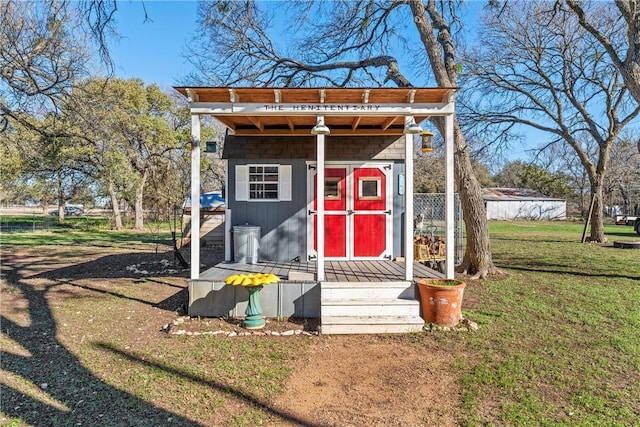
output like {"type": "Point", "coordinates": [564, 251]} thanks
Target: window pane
{"type": "Point", "coordinates": [263, 182]}
{"type": "Point", "coordinates": [332, 188]}
{"type": "Point", "coordinates": [369, 188]}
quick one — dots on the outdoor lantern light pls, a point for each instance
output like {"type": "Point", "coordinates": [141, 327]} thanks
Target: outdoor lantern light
{"type": "Point", "coordinates": [427, 144]}
{"type": "Point", "coordinates": [412, 128]}
{"type": "Point", "coordinates": [320, 128]}
{"type": "Point", "coordinates": [210, 146]}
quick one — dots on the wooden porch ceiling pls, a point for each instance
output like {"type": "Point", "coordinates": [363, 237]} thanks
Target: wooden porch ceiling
{"type": "Point", "coordinates": [293, 111]}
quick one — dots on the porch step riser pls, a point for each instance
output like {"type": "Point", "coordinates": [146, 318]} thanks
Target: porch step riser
{"type": "Point", "coordinates": [368, 293]}
{"type": "Point", "coordinates": [369, 310]}
{"type": "Point", "coordinates": [382, 290]}
{"type": "Point", "coordinates": [371, 324]}
{"type": "Point", "coordinates": [369, 329]}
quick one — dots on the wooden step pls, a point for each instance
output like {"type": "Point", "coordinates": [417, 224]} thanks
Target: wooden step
{"type": "Point", "coordinates": [402, 290]}
{"type": "Point", "coordinates": [368, 307]}
{"type": "Point", "coordinates": [371, 324]}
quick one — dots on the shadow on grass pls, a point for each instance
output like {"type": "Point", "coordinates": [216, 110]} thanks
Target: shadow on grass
{"type": "Point", "coordinates": [54, 374]}
{"type": "Point", "coordinates": [559, 269]}
{"type": "Point", "coordinates": [120, 266]}
{"type": "Point", "coordinates": [630, 233]}
{"type": "Point", "coordinates": [223, 388]}
{"type": "Point", "coordinates": [56, 389]}
{"type": "Point", "coordinates": [172, 303]}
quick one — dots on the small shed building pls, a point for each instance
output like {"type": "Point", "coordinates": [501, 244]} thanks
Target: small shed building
{"type": "Point", "coordinates": [522, 203]}
{"type": "Point", "coordinates": [212, 208]}
{"type": "Point", "coordinates": [320, 194]}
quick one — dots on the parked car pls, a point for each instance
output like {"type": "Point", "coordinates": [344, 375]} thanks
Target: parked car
{"type": "Point", "coordinates": [69, 211]}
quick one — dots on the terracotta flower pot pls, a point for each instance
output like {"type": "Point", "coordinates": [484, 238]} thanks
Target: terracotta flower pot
{"type": "Point", "coordinates": [441, 300]}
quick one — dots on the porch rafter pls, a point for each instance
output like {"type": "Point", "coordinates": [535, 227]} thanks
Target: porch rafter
{"type": "Point", "coordinates": [363, 112]}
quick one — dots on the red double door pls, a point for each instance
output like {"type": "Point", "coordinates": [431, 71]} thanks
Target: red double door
{"type": "Point", "coordinates": [358, 216]}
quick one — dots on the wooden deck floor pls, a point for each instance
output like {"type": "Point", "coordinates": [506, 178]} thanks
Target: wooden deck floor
{"type": "Point", "coordinates": [336, 271]}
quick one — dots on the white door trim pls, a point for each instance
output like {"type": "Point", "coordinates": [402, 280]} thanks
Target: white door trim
{"type": "Point", "coordinates": [387, 169]}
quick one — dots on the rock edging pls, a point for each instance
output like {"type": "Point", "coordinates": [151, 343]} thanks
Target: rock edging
{"type": "Point", "coordinates": [173, 328]}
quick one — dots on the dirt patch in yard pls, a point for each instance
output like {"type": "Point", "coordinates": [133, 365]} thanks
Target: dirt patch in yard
{"type": "Point", "coordinates": [353, 380]}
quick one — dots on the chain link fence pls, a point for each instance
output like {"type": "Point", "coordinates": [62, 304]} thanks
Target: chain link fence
{"type": "Point", "coordinates": [32, 223]}
{"type": "Point", "coordinates": [429, 226]}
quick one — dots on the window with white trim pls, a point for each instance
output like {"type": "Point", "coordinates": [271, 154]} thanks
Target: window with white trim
{"type": "Point", "coordinates": [263, 182]}
{"type": "Point", "coordinates": [369, 188]}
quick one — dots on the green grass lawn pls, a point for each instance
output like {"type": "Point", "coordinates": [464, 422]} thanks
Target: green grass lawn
{"type": "Point", "coordinates": [558, 340]}
{"type": "Point", "coordinates": [84, 230]}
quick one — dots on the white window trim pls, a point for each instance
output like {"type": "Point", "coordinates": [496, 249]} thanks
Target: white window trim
{"type": "Point", "coordinates": [243, 184]}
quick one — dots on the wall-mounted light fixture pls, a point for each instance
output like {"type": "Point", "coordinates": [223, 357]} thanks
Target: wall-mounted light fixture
{"type": "Point", "coordinates": [427, 143]}
{"type": "Point", "coordinates": [320, 128]}
{"type": "Point", "coordinates": [412, 127]}
{"type": "Point", "coordinates": [211, 146]}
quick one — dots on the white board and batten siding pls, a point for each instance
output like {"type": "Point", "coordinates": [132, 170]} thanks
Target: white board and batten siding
{"type": "Point", "coordinates": [522, 204]}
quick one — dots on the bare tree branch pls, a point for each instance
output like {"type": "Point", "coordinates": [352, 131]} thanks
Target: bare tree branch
{"type": "Point", "coordinates": [541, 69]}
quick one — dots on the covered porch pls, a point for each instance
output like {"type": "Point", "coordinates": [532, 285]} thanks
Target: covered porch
{"type": "Point", "coordinates": [327, 173]}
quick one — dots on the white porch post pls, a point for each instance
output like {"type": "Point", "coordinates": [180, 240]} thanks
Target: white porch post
{"type": "Point", "coordinates": [449, 193]}
{"type": "Point", "coordinates": [320, 202]}
{"type": "Point", "coordinates": [408, 204]}
{"type": "Point", "coordinates": [195, 196]}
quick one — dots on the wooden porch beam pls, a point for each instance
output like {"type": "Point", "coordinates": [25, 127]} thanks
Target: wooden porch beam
{"type": "Point", "coordinates": [233, 96]}
{"type": "Point", "coordinates": [226, 121]}
{"type": "Point", "coordinates": [256, 122]}
{"type": "Point", "coordinates": [388, 122]}
{"type": "Point", "coordinates": [292, 126]}
{"type": "Point", "coordinates": [355, 123]}
{"type": "Point", "coordinates": [315, 109]}
{"type": "Point", "coordinates": [365, 96]}
{"type": "Point", "coordinates": [195, 196]}
{"type": "Point", "coordinates": [301, 131]}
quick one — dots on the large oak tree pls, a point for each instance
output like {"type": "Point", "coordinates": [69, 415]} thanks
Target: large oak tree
{"type": "Point", "coordinates": [541, 69]}
{"type": "Point", "coordinates": [341, 44]}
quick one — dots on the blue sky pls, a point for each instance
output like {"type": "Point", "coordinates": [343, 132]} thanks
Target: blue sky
{"type": "Point", "coordinates": [152, 50]}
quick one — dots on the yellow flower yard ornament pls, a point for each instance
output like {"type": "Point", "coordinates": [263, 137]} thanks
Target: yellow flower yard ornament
{"type": "Point", "coordinates": [252, 279]}
{"type": "Point", "coordinates": [253, 282]}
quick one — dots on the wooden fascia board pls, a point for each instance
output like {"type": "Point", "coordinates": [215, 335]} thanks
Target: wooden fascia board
{"type": "Point", "coordinates": [242, 109]}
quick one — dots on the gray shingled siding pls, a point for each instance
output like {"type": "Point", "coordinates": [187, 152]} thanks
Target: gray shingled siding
{"type": "Point", "coordinates": [284, 224]}
{"type": "Point", "coordinates": [304, 147]}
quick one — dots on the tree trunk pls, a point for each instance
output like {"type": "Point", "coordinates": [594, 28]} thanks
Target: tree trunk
{"type": "Point", "coordinates": [626, 206]}
{"type": "Point", "coordinates": [138, 207]}
{"type": "Point", "coordinates": [115, 206]}
{"type": "Point", "coordinates": [440, 50]}
{"type": "Point", "coordinates": [61, 199]}
{"type": "Point", "coordinates": [477, 258]}
{"type": "Point", "coordinates": [597, 215]}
